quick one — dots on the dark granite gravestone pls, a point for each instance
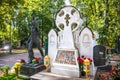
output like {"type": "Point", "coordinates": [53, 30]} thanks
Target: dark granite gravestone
{"type": "Point", "coordinates": [99, 55]}
{"type": "Point", "coordinates": [28, 70]}
{"type": "Point", "coordinates": [118, 44]}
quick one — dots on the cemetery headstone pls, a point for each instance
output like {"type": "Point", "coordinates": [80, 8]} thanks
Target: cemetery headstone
{"type": "Point", "coordinates": [118, 44]}
{"type": "Point", "coordinates": [68, 20]}
{"type": "Point", "coordinates": [99, 55]}
{"type": "Point", "coordinates": [86, 39]}
{"type": "Point", "coordinates": [52, 44]}
{"type": "Point", "coordinates": [86, 46]}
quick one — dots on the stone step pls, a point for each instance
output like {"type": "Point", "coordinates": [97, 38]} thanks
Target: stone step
{"type": "Point", "coordinates": [51, 76]}
{"type": "Point", "coordinates": [24, 76]}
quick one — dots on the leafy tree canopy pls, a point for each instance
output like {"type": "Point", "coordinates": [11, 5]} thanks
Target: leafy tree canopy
{"type": "Point", "coordinates": [100, 15]}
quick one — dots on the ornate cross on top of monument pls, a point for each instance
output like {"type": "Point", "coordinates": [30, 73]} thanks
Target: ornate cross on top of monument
{"type": "Point", "coordinates": [67, 19]}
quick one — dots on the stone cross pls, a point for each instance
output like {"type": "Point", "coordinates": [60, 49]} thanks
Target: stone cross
{"type": "Point", "coordinates": [67, 19]}
{"type": "Point", "coordinates": [68, 16]}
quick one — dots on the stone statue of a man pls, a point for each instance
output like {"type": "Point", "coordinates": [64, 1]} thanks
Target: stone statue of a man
{"type": "Point", "coordinates": [34, 39]}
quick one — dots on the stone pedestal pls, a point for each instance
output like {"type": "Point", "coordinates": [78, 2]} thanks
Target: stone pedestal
{"type": "Point", "coordinates": [65, 63]}
{"type": "Point", "coordinates": [30, 70]}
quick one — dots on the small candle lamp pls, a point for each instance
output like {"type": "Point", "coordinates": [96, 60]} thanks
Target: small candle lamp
{"type": "Point", "coordinates": [86, 63]}
{"type": "Point", "coordinates": [47, 62]}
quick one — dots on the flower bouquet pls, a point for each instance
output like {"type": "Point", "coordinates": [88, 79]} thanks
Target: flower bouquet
{"type": "Point", "coordinates": [80, 63]}
{"type": "Point", "coordinates": [80, 60]}
{"type": "Point", "coordinates": [36, 60]}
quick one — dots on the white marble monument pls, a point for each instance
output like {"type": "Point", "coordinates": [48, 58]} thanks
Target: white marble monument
{"type": "Point", "coordinates": [67, 17]}
{"type": "Point", "coordinates": [68, 20]}
{"type": "Point", "coordinates": [52, 44]}
{"type": "Point", "coordinates": [86, 46]}
{"type": "Point", "coordinates": [65, 46]}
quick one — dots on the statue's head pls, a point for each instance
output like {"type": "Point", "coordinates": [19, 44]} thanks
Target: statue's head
{"type": "Point", "coordinates": [33, 20]}
{"type": "Point", "coordinates": [33, 17]}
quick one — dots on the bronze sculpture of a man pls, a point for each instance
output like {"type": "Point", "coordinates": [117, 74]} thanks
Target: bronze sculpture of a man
{"type": "Point", "coordinates": [34, 39]}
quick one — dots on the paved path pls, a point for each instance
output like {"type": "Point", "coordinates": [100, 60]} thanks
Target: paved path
{"type": "Point", "coordinates": [11, 59]}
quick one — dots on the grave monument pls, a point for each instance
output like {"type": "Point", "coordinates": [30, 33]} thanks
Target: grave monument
{"type": "Point", "coordinates": [86, 46]}
{"type": "Point", "coordinates": [34, 39]}
{"type": "Point", "coordinates": [64, 56]}
{"type": "Point", "coordinates": [99, 55]}
{"type": "Point", "coordinates": [52, 46]}
{"type": "Point", "coordinates": [32, 67]}
{"type": "Point", "coordinates": [70, 42]}
{"type": "Point", "coordinates": [67, 44]}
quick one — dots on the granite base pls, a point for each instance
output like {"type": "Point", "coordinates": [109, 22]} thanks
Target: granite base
{"type": "Point", "coordinates": [31, 70]}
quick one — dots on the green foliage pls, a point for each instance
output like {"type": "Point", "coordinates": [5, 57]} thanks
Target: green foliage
{"type": "Point", "coordinates": [12, 77]}
{"type": "Point", "coordinates": [4, 70]}
{"type": "Point", "coordinates": [102, 16]}
{"type": "Point", "coordinates": [15, 18]}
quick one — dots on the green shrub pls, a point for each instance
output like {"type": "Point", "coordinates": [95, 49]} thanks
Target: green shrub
{"type": "Point", "coordinates": [4, 70]}
{"type": "Point", "coordinates": [12, 77]}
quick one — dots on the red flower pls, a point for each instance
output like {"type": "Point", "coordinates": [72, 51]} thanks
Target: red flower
{"type": "Point", "coordinates": [80, 60]}
{"type": "Point", "coordinates": [37, 59]}
{"type": "Point", "coordinates": [22, 61]}
{"type": "Point", "coordinates": [90, 59]}
{"type": "Point", "coordinates": [82, 56]}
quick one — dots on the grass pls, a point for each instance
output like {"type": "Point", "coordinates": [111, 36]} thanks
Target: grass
{"type": "Point", "coordinates": [12, 77]}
